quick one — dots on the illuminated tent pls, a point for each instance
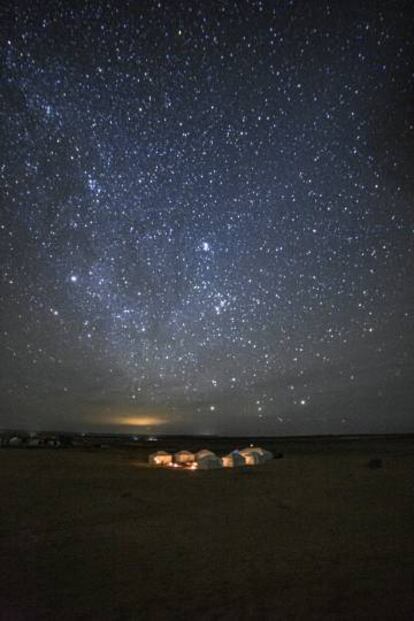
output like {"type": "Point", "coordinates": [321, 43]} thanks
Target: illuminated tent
{"type": "Point", "coordinates": [207, 460]}
{"type": "Point", "coordinates": [252, 457]}
{"type": "Point", "coordinates": [160, 458]}
{"type": "Point", "coordinates": [233, 459]}
{"type": "Point", "coordinates": [184, 457]}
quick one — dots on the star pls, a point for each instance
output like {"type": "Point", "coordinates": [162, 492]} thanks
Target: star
{"type": "Point", "coordinates": [218, 223]}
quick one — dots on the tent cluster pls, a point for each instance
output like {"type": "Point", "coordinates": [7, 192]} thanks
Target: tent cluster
{"type": "Point", "coordinates": [30, 441]}
{"type": "Point", "coordinates": [207, 460]}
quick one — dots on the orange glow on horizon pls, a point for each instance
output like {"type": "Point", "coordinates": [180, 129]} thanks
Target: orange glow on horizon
{"type": "Point", "coordinates": [140, 421]}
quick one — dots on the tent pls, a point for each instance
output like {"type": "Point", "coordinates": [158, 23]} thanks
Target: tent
{"type": "Point", "coordinates": [15, 441]}
{"type": "Point", "coordinates": [34, 442]}
{"type": "Point", "coordinates": [207, 460]}
{"type": "Point", "coordinates": [233, 459]}
{"type": "Point", "coordinates": [252, 457]}
{"type": "Point", "coordinates": [160, 458]}
{"type": "Point", "coordinates": [52, 442]}
{"type": "Point", "coordinates": [266, 455]}
{"type": "Point", "coordinates": [203, 452]}
{"type": "Point", "coordinates": [184, 457]}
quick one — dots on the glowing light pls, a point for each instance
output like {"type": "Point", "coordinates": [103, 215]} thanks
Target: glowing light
{"type": "Point", "coordinates": [140, 421]}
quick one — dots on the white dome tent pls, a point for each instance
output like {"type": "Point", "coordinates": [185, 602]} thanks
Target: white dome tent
{"type": "Point", "coordinates": [160, 458]}
{"type": "Point", "coordinates": [203, 453]}
{"type": "Point", "coordinates": [184, 457]}
{"type": "Point", "coordinates": [52, 442]}
{"type": "Point", "coordinates": [207, 460]}
{"type": "Point", "coordinates": [233, 460]}
{"type": "Point", "coordinates": [34, 442]}
{"type": "Point", "coordinates": [15, 441]}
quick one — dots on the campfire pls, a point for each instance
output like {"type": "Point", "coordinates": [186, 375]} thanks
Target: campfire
{"type": "Point", "coordinates": [186, 466]}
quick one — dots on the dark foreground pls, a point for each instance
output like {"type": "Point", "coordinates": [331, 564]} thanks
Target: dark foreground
{"type": "Point", "coordinates": [95, 534]}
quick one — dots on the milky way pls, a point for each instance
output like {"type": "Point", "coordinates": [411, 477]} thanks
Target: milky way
{"type": "Point", "coordinates": [206, 216]}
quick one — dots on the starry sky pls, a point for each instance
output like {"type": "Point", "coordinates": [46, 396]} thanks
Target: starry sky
{"type": "Point", "coordinates": [206, 216]}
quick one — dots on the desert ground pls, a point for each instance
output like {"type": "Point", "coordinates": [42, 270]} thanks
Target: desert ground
{"type": "Point", "coordinates": [96, 534]}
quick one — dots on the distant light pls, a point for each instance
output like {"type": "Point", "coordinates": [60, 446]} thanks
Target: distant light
{"type": "Point", "coordinates": [212, 408]}
{"type": "Point", "coordinates": [205, 246]}
{"type": "Point", "coordinates": [303, 402]}
{"type": "Point", "coordinates": [74, 278]}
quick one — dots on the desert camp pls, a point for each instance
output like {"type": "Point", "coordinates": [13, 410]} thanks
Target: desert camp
{"type": "Point", "coordinates": [207, 310]}
{"type": "Point", "coordinates": [122, 524]}
{"type": "Point", "coordinates": [206, 459]}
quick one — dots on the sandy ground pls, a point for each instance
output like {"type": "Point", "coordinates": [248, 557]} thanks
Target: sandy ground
{"type": "Point", "coordinates": [96, 534]}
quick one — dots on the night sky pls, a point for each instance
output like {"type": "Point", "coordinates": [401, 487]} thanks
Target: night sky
{"type": "Point", "coordinates": [206, 216]}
